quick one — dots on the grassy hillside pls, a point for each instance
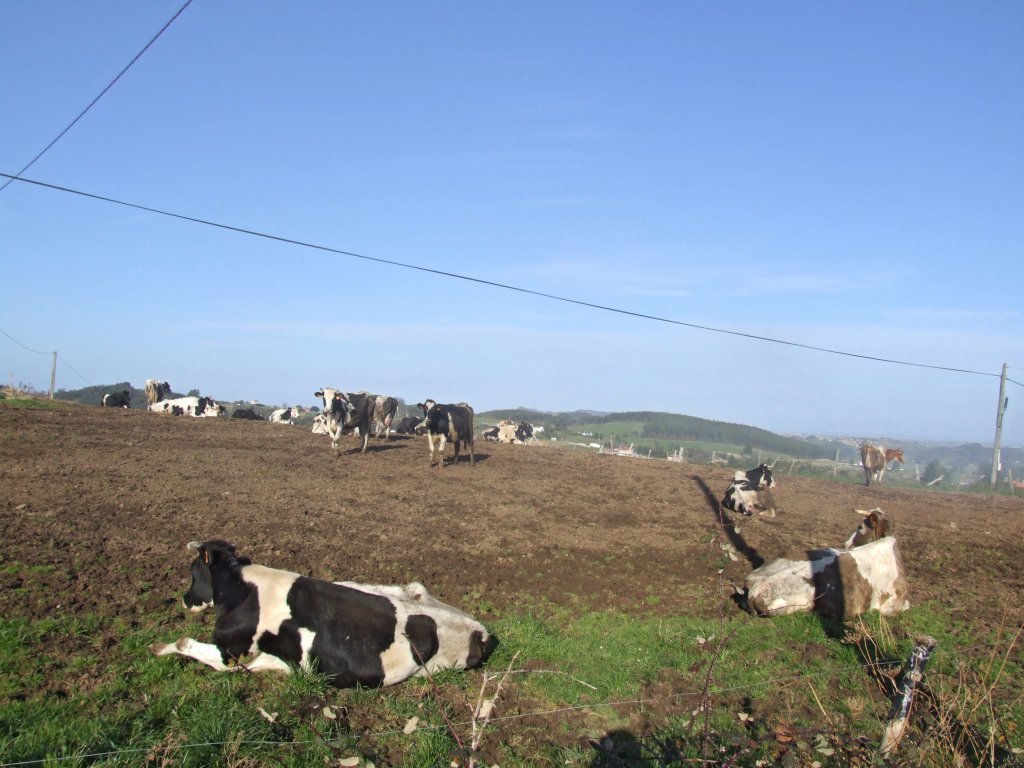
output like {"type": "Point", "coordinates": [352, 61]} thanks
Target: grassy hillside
{"type": "Point", "coordinates": [94, 395]}
{"type": "Point", "coordinates": [662, 433]}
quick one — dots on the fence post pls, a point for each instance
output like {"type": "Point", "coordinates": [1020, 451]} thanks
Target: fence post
{"type": "Point", "coordinates": [53, 374]}
{"type": "Point", "coordinates": [899, 715]}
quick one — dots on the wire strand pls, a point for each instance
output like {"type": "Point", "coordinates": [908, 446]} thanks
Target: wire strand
{"type": "Point", "coordinates": [100, 96]}
{"type": "Point", "coordinates": [38, 352]}
{"type": "Point", "coordinates": [493, 284]}
{"type": "Point", "coordinates": [73, 370]}
{"type": "Point", "coordinates": [29, 349]}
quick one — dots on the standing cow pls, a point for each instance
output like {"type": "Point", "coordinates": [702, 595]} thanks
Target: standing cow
{"type": "Point", "coordinates": [876, 458]}
{"type": "Point", "coordinates": [384, 410]}
{"type": "Point", "coordinates": [347, 410]}
{"type": "Point", "coordinates": [446, 423]}
{"type": "Point", "coordinates": [156, 391]}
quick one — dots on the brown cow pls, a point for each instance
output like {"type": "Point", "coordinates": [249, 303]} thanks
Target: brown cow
{"type": "Point", "coordinates": [866, 574]}
{"type": "Point", "coordinates": [876, 458]}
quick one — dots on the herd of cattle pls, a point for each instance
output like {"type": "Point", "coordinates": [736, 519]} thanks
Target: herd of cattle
{"type": "Point", "coordinates": [360, 634]}
{"type": "Point", "coordinates": [358, 413]}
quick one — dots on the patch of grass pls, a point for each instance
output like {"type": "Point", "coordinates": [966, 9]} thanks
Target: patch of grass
{"type": "Point", "coordinates": [29, 402]}
{"type": "Point", "coordinates": [695, 677]}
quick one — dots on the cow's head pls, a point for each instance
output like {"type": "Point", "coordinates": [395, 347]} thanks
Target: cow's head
{"type": "Point", "coordinates": [335, 403]}
{"type": "Point", "coordinates": [426, 405]}
{"type": "Point", "coordinates": [762, 477]}
{"type": "Point", "coordinates": [874, 525]}
{"type": "Point", "coordinates": [897, 454]}
{"type": "Point", "coordinates": [207, 406]}
{"type": "Point", "coordinates": [199, 596]}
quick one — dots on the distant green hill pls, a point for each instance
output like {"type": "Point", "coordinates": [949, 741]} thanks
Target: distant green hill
{"type": "Point", "coordinates": [658, 431]}
{"type": "Point", "coordinates": [94, 395]}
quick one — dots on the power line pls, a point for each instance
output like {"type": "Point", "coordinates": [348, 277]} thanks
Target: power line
{"type": "Point", "coordinates": [100, 96]}
{"type": "Point", "coordinates": [36, 351]}
{"type": "Point", "coordinates": [39, 352]}
{"type": "Point", "coordinates": [493, 284]}
{"type": "Point", "coordinates": [74, 371]}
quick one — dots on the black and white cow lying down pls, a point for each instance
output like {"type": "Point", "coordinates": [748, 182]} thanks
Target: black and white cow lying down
{"type": "Point", "coordinates": [122, 399]}
{"type": "Point", "coordinates": [354, 634]}
{"type": "Point", "coordinates": [749, 492]}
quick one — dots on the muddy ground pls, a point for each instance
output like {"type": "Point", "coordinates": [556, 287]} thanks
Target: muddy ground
{"type": "Point", "coordinates": [108, 499]}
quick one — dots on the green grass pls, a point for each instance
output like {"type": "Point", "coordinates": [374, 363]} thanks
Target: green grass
{"type": "Point", "coordinates": [141, 707]}
{"type": "Point", "coordinates": [30, 402]}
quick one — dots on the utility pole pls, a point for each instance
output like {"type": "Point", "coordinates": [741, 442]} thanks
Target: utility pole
{"type": "Point", "coordinates": [53, 374]}
{"type": "Point", "coordinates": [1000, 410]}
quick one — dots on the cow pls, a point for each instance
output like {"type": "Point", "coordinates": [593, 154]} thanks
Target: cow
{"type": "Point", "coordinates": [876, 458]}
{"type": "Point", "coordinates": [320, 425]}
{"type": "Point", "coordinates": [189, 406]}
{"type": "Point", "coordinates": [874, 525]}
{"type": "Point", "coordinates": [509, 432]}
{"type": "Point", "coordinates": [352, 634]}
{"type": "Point", "coordinates": [865, 574]}
{"type": "Point", "coordinates": [156, 391]}
{"type": "Point", "coordinates": [247, 413]}
{"type": "Point", "coordinates": [384, 410]}
{"type": "Point", "coordinates": [347, 410]}
{"type": "Point", "coordinates": [122, 399]}
{"type": "Point", "coordinates": [285, 415]}
{"type": "Point", "coordinates": [409, 425]}
{"type": "Point", "coordinates": [448, 422]}
{"type": "Point", "coordinates": [749, 492]}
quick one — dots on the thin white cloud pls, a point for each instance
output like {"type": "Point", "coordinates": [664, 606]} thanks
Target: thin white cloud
{"type": "Point", "coordinates": [951, 315]}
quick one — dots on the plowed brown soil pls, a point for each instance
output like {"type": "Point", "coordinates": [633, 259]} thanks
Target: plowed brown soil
{"type": "Point", "coordinates": [107, 499]}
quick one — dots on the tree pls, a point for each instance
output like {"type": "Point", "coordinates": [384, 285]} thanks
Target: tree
{"type": "Point", "coordinates": [933, 471]}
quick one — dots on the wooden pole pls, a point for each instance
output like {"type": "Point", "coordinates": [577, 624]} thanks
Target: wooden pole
{"type": "Point", "coordinates": [53, 374]}
{"type": "Point", "coordinates": [899, 715]}
{"type": "Point", "coordinates": [1000, 410]}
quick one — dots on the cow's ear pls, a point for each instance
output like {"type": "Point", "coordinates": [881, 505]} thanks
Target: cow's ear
{"type": "Point", "coordinates": [318, 394]}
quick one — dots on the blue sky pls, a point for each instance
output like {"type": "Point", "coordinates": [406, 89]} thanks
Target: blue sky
{"type": "Point", "coordinates": [846, 176]}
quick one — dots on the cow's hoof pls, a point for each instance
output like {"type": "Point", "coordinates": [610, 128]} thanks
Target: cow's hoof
{"type": "Point", "coordinates": [160, 649]}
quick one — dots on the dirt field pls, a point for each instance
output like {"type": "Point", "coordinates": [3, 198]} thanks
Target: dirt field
{"type": "Point", "coordinates": [109, 498]}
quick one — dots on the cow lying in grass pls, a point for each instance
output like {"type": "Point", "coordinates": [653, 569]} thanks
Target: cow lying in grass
{"type": "Point", "coordinates": [353, 634]}
{"type": "Point", "coordinates": [866, 574]}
